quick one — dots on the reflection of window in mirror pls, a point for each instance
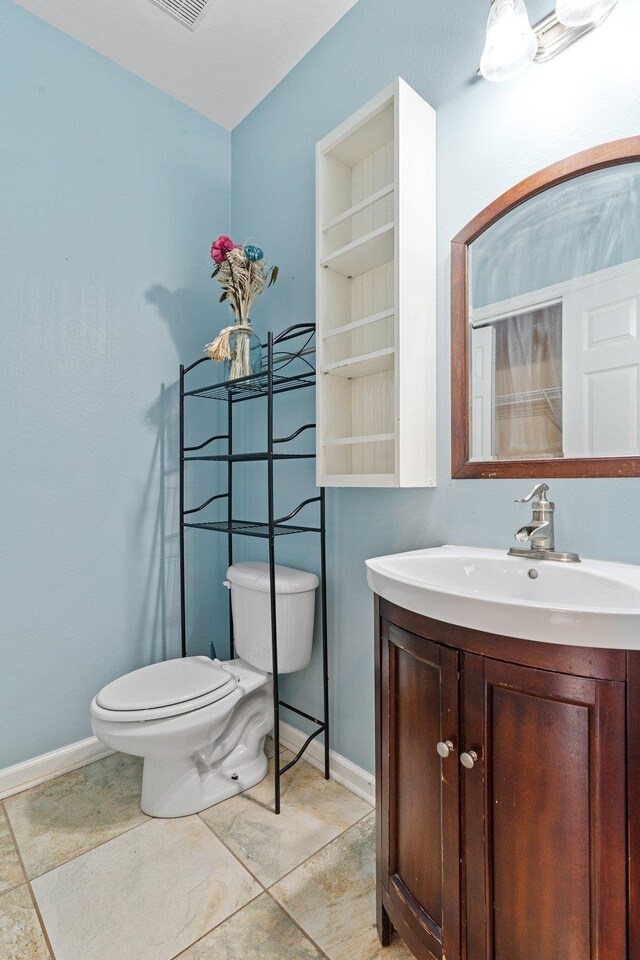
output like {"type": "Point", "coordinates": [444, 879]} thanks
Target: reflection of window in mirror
{"type": "Point", "coordinates": [516, 392]}
{"type": "Point", "coordinates": [554, 320]}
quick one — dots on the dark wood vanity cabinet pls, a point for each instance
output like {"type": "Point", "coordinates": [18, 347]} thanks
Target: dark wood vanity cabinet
{"type": "Point", "coordinates": [418, 825]}
{"type": "Point", "coordinates": [527, 852]}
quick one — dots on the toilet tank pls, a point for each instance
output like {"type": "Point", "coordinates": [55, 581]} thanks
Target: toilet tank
{"type": "Point", "coordinates": [251, 608]}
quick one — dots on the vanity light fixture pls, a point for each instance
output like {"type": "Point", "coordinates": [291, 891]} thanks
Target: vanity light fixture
{"type": "Point", "coordinates": [579, 13]}
{"type": "Point", "coordinates": [512, 44]}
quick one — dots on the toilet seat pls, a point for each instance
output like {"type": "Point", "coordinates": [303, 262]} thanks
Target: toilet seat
{"type": "Point", "coordinates": [166, 689]}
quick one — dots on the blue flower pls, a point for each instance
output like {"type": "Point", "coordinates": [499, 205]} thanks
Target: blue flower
{"type": "Point", "coordinates": [253, 253]}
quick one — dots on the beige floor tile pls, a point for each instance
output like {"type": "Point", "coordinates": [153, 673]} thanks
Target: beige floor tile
{"type": "Point", "coordinates": [313, 812]}
{"type": "Point", "coordinates": [332, 896]}
{"type": "Point", "coordinates": [146, 895]}
{"type": "Point", "coordinates": [67, 816]}
{"type": "Point", "coordinates": [260, 931]}
{"type": "Point", "coordinates": [20, 934]}
{"type": "Point", "coordinates": [269, 748]}
{"type": "Point", "coordinates": [11, 874]}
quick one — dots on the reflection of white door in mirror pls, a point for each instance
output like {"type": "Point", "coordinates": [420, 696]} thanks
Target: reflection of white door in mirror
{"type": "Point", "coordinates": [601, 364]}
{"type": "Point", "coordinates": [482, 392]}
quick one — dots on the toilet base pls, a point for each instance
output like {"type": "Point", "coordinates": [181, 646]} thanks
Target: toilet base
{"type": "Point", "coordinates": [181, 787]}
{"type": "Point", "coordinates": [196, 759]}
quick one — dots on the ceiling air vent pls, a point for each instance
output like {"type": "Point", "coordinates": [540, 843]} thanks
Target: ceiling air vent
{"type": "Point", "coordinates": [188, 12]}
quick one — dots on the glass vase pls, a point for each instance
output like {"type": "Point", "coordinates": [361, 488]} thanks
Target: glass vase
{"type": "Point", "coordinates": [246, 353]}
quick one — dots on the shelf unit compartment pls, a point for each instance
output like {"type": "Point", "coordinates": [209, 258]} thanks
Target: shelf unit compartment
{"type": "Point", "coordinates": [362, 205]}
{"type": "Point", "coordinates": [359, 171]}
{"type": "Point", "coordinates": [356, 302]}
{"type": "Point", "coordinates": [374, 459]}
{"type": "Point", "coordinates": [363, 365]}
{"type": "Point", "coordinates": [364, 133]}
{"type": "Point", "coordinates": [369, 198]}
{"type": "Point", "coordinates": [360, 408]}
{"type": "Point", "coordinates": [376, 281]}
{"type": "Point", "coordinates": [366, 253]}
{"type": "Point", "coordinates": [362, 322]}
{"type": "Point", "coordinates": [362, 437]}
{"type": "Point", "coordinates": [360, 341]}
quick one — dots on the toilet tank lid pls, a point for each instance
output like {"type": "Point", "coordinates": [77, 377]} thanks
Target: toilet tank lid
{"type": "Point", "coordinates": [255, 575]}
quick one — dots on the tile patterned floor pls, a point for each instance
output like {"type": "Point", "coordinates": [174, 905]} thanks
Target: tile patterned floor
{"type": "Point", "coordinates": [10, 869]}
{"type": "Point", "coordinates": [64, 818]}
{"type": "Point", "coordinates": [310, 817]}
{"type": "Point", "coordinates": [84, 875]}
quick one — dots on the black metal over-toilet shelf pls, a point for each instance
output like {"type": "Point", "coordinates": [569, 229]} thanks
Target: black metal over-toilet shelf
{"type": "Point", "coordinates": [269, 382]}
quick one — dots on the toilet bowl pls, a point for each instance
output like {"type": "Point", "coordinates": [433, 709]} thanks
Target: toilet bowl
{"type": "Point", "coordinates": [200, 724]}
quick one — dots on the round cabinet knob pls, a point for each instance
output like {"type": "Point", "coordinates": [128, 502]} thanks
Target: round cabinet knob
{"type": "Point", "coordinates": [468, 759]}
{"type": "Point", "coordinates": [444, 748]}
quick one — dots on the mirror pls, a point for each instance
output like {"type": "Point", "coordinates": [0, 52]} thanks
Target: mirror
{"type": "Point", "coordinates": [546, 324]}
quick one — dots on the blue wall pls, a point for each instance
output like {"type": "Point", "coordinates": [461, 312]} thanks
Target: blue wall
{"type": "Point", "coordinates": [490, 137]}
{"type": "Point", "coordinates": [110, 194]}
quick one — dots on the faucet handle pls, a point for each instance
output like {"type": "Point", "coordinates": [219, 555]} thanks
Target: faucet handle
{"type": "Point", "coordinates": [539, 489]}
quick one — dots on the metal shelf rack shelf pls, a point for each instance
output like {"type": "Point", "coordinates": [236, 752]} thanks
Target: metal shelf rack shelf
{"type": "Point", "coordinates": [272, 380]}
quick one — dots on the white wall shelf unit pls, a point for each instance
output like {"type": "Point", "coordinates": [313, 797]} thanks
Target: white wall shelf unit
{"type": "Point", "coordinates": [376, 295]}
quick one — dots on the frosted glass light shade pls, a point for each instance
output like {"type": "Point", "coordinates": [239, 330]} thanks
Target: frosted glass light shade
{"type": "Point", "coordinates": [511, 43]}
{"type": "Point", "coordinates": [576, 13]}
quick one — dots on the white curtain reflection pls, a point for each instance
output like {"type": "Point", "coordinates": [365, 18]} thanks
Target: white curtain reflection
{"type": "Point", "coordinates": [528, 385]}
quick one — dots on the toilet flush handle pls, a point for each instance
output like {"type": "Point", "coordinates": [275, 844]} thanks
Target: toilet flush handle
{"type": "Point", "coordinates": [227, 584]}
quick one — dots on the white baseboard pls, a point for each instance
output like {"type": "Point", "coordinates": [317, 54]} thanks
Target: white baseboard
{"type": "Point", "coordinates": [343, 771]}
{"type": "Point", "coordinates": [30, 773]}
{"type": "Point", "coordinates": [21, 776]}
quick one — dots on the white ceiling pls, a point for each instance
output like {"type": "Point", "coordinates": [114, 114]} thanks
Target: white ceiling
{"type": "Point", "coordinates": [234, 57]}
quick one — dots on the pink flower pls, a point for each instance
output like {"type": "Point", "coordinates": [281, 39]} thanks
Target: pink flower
{"type": "Point", "coordinates": [221, 247]}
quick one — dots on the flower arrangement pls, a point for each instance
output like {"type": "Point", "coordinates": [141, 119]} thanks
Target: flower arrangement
{"type": "Point", "coordinates": [242, 273]}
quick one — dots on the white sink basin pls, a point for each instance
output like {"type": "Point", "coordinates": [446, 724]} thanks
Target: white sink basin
{"type": "Point", "coordinates": [588, 604]}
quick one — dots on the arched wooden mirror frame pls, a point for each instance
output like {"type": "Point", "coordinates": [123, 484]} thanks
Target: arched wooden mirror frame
{"type": "Point", "coordinates": [588, 161]}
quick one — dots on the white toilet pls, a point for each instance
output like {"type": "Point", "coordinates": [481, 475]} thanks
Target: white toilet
{"type": "Point", "coordinates": [201, 724]}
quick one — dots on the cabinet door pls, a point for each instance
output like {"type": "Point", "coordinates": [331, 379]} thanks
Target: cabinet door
{"type": "Point", "coordinates": [544, 814]}
{"type": "Point", "coordinates": [418, 810]}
